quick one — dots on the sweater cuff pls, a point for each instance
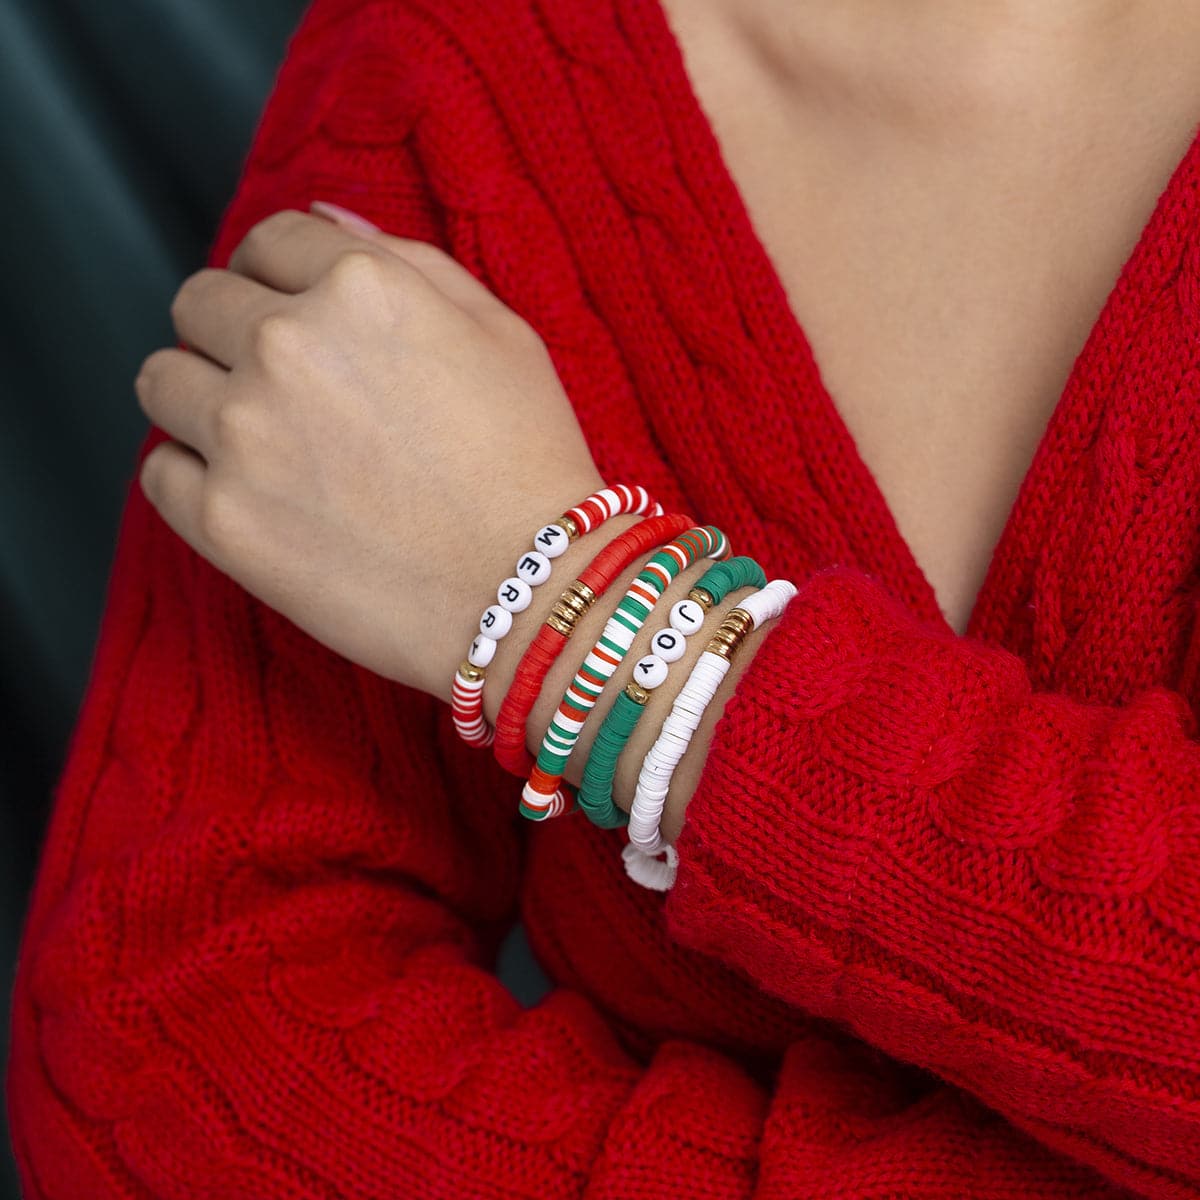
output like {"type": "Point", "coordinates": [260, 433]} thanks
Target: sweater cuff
{"type": "Point", "coordinates": [773, 838]}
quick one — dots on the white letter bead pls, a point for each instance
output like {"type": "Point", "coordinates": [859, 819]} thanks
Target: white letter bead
{"type": "Point", "coordinates": [533, 567]}
{"type": "Point", "coordinates": [515, 595]}
{"type": "Point", "coordinates": [651, 671]}
{"type": "Point", "coordinates": [483, 650]}
{"type": "Point", "coordinates": [551, 540]}
{"type": "Point", "coordinates": [495, 622]}
{"type": "Point", "coordinates": [687, 616]}
{"type": "Point", "coordinates": [668, 644]}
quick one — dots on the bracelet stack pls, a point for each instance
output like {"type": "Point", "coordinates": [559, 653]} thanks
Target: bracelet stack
{"type": "Point", "coordinates": [509, 747]}
{"type": "Point", "coordinates": [542, 795]}
{"type": "Point", "coordinates": [674, 543]}
{"type": "Point", "coordinates": [515, 595]}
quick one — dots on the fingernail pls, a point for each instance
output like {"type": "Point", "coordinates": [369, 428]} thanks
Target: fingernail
{"type": "Point", "coordinates": [343, 217]}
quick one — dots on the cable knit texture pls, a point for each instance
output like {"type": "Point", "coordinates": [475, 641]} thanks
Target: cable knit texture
{"type": "Point", "coordinates": [936, 930]}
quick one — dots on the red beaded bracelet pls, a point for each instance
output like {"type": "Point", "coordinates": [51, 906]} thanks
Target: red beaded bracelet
{"type": "Point", "coordinates": [509, 746]}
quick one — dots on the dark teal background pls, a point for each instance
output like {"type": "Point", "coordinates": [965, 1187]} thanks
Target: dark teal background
{"type": "Point", "coordinates": [123, 128]}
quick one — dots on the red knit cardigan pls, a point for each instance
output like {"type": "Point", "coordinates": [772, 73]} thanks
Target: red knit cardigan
{"type": "Point", "coordinates": [936, 930]}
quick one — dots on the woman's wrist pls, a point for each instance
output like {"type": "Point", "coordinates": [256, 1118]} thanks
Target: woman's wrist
{"type": "Point", "coordinates": [567, 568]}
{"type": "Point", "coordinates": [452, 630]}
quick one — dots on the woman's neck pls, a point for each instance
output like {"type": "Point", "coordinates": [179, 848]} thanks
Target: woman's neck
{"type": "Point", "coordinates": [937, 62]}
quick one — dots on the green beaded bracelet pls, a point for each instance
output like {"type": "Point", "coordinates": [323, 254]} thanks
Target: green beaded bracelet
{"type": "Point", "coordinates": [595, 791]}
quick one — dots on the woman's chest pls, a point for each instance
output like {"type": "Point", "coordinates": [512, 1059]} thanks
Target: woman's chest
{"type": "Point", "coordinates": [945, 287]}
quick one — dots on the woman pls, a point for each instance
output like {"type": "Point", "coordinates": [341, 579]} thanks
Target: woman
{"type": "Point", "coordinates": [936, 926]}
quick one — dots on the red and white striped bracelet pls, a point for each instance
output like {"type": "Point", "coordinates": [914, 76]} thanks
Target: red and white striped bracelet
{"type": "Point", "coordinates": [515, 594]}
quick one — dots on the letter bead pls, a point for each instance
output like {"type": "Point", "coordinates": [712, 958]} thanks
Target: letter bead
{"type": "Point", "coordinates": [668, 644]}
{"type": "Point", "coordinates": [651, 671]}
{"type": "Point", "coordinates": [687, 616]}
{"type": "Point", "coordinates": [515, 595]}
{"type": "Point", "coordinates": [483, 650]}
{"type": "Point", "coordinates": [533, 567]}
{"type": "Point", "coordinates": [551, 540]}
{"type": "Point", "coordinates": [495, 622]}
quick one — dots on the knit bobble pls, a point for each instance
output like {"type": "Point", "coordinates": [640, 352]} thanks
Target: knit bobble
{"type": "Point", "coordinates": [515, 595]}
{"type": "Point", "coordinates": [495, 622]}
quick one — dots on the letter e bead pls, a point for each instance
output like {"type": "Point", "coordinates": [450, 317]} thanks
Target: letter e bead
{"type": "Point", "coordinates": [533, 567]}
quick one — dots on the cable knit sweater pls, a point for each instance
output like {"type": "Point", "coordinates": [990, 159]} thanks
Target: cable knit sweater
{"type": "Point", "coordinates": [936, 930]}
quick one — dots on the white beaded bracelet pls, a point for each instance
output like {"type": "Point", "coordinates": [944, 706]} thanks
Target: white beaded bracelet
{"type": "Point", "coordinates": [654, 780]}
{"type": "Point", "coordinates": [515, 594]}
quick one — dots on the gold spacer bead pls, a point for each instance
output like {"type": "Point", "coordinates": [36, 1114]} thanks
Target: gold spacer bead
{"type": "Point", "coordinates": [730, 633]}
{"type": "Point", "coordinates": [576, 599]}
{"type": "Point", "coordinates": [561, 624]}
{"type": "Point", "coordinates": [470, 672]}
{"type": "Point", "coordinates": [637, 693]}
{"type": "Point", "coordinates": [568, 526]}
{"type": "Point", "coordinates": [702, 597]}
{"type": "Point", "coordinates": [585, 593]}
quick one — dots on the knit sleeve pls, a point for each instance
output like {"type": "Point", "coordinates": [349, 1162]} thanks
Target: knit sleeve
{"type": "Point", "coordinates": [894, 831]}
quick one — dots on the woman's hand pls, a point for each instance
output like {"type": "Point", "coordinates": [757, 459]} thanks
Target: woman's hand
{"type": "Point", "coordinates": [365, 438]}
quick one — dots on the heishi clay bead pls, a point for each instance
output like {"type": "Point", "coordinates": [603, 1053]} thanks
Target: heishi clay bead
{"type": "Point", "coordinates": [515, 595]}
{"type": "Point", "coordinates": [551, 540]}
{"type": "Point", "coordinates": [668, 644]}
{"type": "Point", "coordinates": [533, 567]}
{"type": "Point", "coordinates": [651, 671]}
{"type": "Point", "coordinates": [687, 616]}
{"type": "Point", "coordinates": [731, 574]}
{"type": "Point", "coordinates": [483, 650]}
{"type": "Point", "coordinates": [769, 602]}
{"type": "Point", "coordinates": [495, 622]}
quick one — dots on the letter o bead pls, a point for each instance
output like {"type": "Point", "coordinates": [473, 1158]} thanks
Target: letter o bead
{"type": "Point", "coordinates": [668, 644]}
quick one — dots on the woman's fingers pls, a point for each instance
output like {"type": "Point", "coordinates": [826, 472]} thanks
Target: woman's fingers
{"type": "Point", "coordinates": [219, 313]}
{"type": "Point", "coordinates": [181, 393]}
{"type": "Point", "coordinates": [446, 273]}
{"type": "Point", "coordinates": [173, 478]}
{"type": "Point", "coordinates": [290, 251]}
{"type": "Point", "coordinates": [293, 251]}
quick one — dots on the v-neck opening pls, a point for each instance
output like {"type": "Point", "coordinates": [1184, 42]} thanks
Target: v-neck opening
{"type": "Point", "coordinates": [749, 251]}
